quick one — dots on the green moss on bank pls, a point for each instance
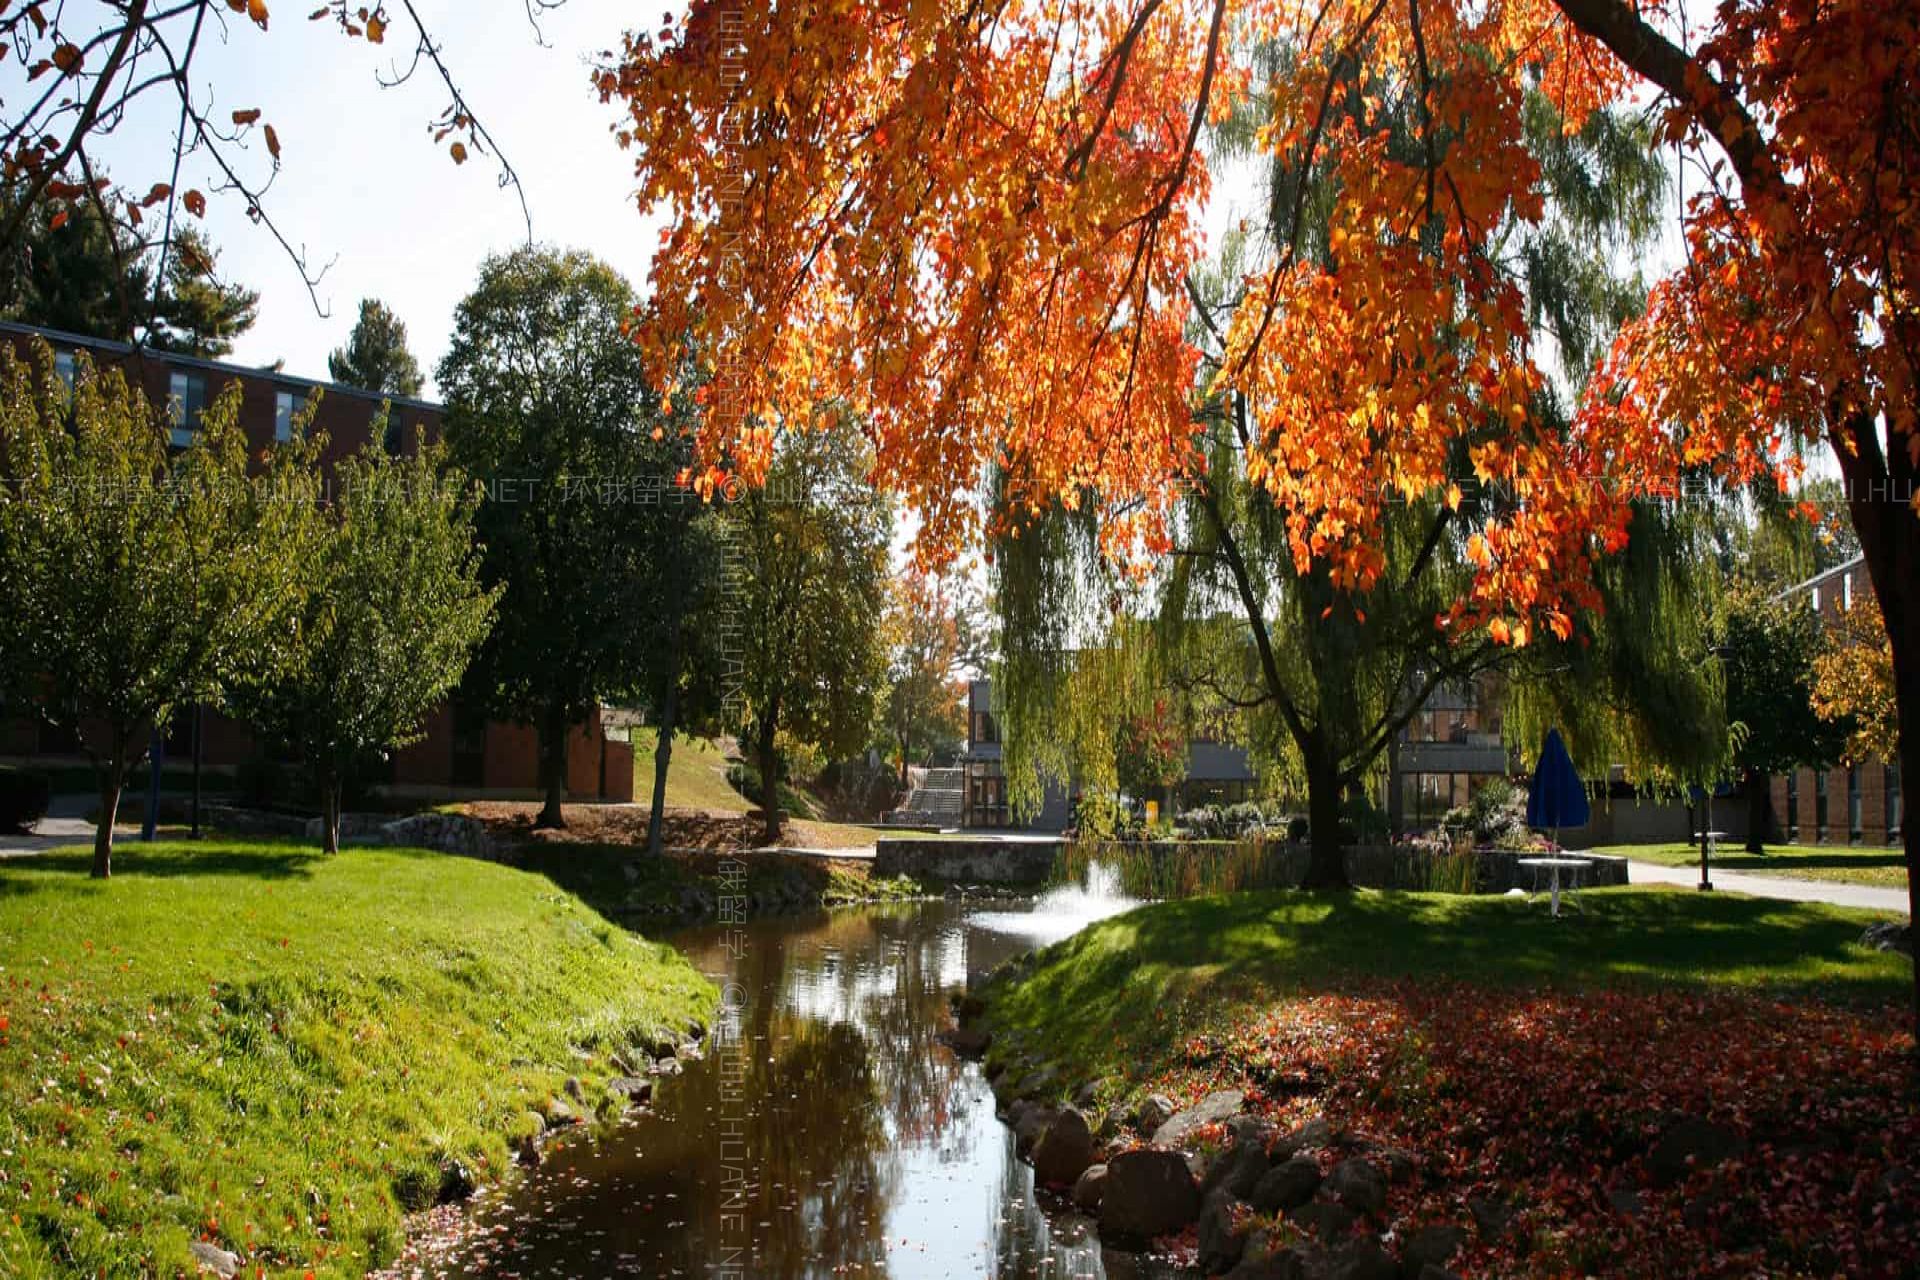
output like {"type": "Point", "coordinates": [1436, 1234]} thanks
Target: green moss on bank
{"type": "Point", "coordinates": [268, 1049]}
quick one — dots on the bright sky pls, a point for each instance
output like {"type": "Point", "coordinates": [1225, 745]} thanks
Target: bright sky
{"type": "Point", "coordinates": [363, 185]}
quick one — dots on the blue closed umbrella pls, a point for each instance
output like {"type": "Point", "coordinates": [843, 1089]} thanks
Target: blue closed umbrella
{"type": "Point", "coordinates": [1558, 798]}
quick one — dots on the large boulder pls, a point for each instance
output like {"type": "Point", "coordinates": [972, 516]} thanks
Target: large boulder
{"type": "Point", "coordinates": [1692, 1143]}
{"type": "Point", "coordinates": [1323, 1219]}
{"type": "Point", "coordinates": [1089, 1187]}
{"type": "Point", "coordinates": [1215, 1108]}
{"type": "Point", "coordinates": [1155, 1110]}
{"type": "Point", "coordinates": [1147, 1193]}
{"type": "Point", "coordinates": [968, 1041]}
{"type": "Point", "coordinates": [1223, 1228]}
{"type": "Point", "coordinates": [1311, 1136]}
{"type": "Point", "coordinates": [1358, 1185]}
{"type": "Point", "coordinates": [1287, 1185]}
{"type": "Point", "coordinates": [1028, 1127]}
{"type": "Point", "coordinates": [1430, 1247]}
{"type": "Point", "coordinates": [1064, 1150]}
{"type": "Point", "coordinates": [1238, 1169]}
{"type": "Point", "coordinates": [1361, 1260]}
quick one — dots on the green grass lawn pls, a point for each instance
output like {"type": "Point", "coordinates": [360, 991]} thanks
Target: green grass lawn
{"type": "Point", "coordinates": [1122, 992]}
{"type": "Point", "coordinates": [273, 1050]}
{"type": "Point", "coordinates": [696, 775]}
{"type": "Point", "coordinates": [1884, 867]}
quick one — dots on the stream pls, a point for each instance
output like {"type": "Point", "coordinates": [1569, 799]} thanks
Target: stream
{"type": "Point", "coordinates": [841, 1139]}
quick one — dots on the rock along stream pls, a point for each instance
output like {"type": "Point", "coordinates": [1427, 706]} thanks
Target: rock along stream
{"type": "Point", "coordinates": [868, 1148]}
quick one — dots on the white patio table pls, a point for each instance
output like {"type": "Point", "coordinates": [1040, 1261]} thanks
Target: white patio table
{"type": "Point", "coordinates": [1554, 866]}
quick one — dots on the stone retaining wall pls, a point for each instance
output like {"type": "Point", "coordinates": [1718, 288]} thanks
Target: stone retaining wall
{"type": "Point", "coordinates": [983, 861]}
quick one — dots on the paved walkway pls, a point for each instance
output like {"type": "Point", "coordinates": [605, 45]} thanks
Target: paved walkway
{"type": "Point", "coordinates": [1836, 894]}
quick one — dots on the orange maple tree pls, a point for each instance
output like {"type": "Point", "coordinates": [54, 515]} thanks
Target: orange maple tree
{"type": "Point", "coordinates": [975, 221]}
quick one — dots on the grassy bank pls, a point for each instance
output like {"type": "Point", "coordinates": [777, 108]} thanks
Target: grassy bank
{"type": "Point", "coordinates": [278, 1053]}
{"type": "Point", "coordinates": [696, 775]}
{"type": "Point", "coordinates": [1532, 1071]}
{"type": "Point", "coordinates": [1883, 867]}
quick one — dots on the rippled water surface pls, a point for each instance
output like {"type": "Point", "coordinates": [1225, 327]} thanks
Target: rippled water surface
{"type": "Point", "coordinates": [868, 1149]}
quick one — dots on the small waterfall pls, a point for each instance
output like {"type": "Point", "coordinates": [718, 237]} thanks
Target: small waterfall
{"type": "Point", "coordinates": [1065, 909]}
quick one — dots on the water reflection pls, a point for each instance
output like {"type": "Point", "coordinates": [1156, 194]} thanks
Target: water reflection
{"type": "Point", "coordinates": [871, 1149]}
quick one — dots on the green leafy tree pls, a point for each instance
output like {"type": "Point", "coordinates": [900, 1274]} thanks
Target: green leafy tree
{"type": "Point", "coordinates": [376, 357]}
{"type": "Point", "coordinates": [197, 313]}
{"type": "Point", "coordinates": [549, 406]}
{"type": "Point", "coordinates": [1769, 648]}
{"type": "Point", "coordinates": [1853, 681]}
{"type": "Point", "coordinates": [139, 578]}
{"type": "Point", "coordinates": [1152, 753]}
{"type": "Point", "coordinates": [393, 612]}
{"type": "Point", "coordinates": [74, 271]}
{"type": "Point", "coordinates": [681, 640]}
{"type": "Point", "coordinates": [925, 637]}
{"type": "Point", "coordinates": [810, 549]}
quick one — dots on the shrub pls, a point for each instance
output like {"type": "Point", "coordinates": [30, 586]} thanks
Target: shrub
{"type": "Point", "coordinates": [1098, 816]}
{"type": "Point", "coordinates": [1227, 821]}
{"type": "Point", "coordinates": [1497, 811]}
{"type": "Point", "coordinates": [1361, 820]}
{"type": "Point", "coordinates": [23, 799]}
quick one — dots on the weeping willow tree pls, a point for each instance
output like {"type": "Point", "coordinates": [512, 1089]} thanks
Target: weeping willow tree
{"type": "Point", "coordinates": [1074, 662]}
{"type": "Point", "coordinates": [1325, 680]}
{"type": "Point", "coordinates": [1639, 684]}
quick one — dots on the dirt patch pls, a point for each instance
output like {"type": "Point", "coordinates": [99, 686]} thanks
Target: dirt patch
{"type": "Point", "coordinates": [707, 830]}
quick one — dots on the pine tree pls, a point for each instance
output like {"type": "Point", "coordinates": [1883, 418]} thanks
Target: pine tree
{"type": "Point", "coordinates": [197, 313]}
{"type": "Point", "coordinates": [376, 357]}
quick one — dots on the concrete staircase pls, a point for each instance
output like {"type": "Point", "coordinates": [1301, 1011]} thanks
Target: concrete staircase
{"type": "Point", "coordinates": [937, 802]}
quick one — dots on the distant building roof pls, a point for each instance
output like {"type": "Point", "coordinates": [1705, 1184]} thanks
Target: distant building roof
{"type": "Point", "coordinates": [1823, 577]}
{"type": "Point", "coordinates": [127, 350]}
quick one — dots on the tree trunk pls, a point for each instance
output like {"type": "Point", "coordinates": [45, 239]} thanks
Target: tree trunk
{"type": "Point", "coordinates": [1326, 862]}
{"type": "Point", "coordinates": [769, 782]}
{"type": "Point", "coordinates": [902, 739]}
{"type": "Point", "coordinates": [329, 812]}
{"type": "Point", "coordinates": [553, 769]}
{"type": "Point", "coordinates": [111, 781]}
{"type": "Point", "coordinates": [662, 759]}
{"type": "Point", "coordinates": [1759, 810]}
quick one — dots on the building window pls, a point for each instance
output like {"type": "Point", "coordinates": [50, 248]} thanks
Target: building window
{"type": "Point", "coordinates": [186, 402]}
{"type": "Point", "coordinates": [984, 729]}
{"type": "Point", "coordinates": [1894, 805]}
{"type": "Point", "coordinates": [1853, 806]}
{"type": "Point", "coordinates": [1846, 591]}
{"type": "Point", "coordinates": [1820, 807]}
{"type": "Point", "coordinates": [394, 437]}
{"type": "Point", "coordinates": [282, 416]}
{"type": "Point", "coordinates": [63, 367]}
{"type": "Point", "coordinates": [1793, 805]}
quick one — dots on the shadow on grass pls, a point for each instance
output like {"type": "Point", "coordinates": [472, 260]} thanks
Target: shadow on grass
{"type": "Point", "coordinates": [258, 860]}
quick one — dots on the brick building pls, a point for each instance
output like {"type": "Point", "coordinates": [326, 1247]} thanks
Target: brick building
{"type": "Point", "coordinates": [462, 753]}
{"type": "Point", "coordinates": [1857, 804]}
